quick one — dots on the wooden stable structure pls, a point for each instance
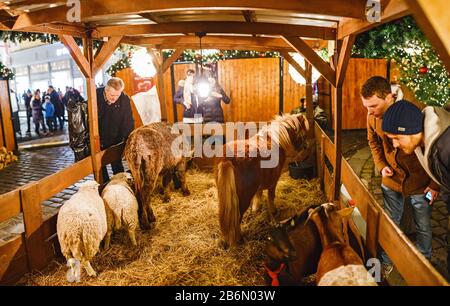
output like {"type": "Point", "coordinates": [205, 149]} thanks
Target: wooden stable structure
{"type": "Point", "coordinates": [258, 25]}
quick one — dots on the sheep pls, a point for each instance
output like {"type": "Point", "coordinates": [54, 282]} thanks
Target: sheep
{"type": "Point", "coordinates": [296, 246]}
{"type": "Point", "coordinates": [339, 264]}
{"type": "Point", "coordinates": [81, 226]}
{"type": "Point", "coordinates": [121, 206]}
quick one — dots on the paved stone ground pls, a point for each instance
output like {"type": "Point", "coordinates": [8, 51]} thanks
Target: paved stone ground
{"type": "Point", "coordinates": [33, 166]}
{"type": "Point", "coordinates": [362, 163]}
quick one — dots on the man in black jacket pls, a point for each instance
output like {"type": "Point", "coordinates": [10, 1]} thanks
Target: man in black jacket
{"type": "Point", "coordinates": [115, 119]}
{"type": "Point", "coordinates": [59, 107]}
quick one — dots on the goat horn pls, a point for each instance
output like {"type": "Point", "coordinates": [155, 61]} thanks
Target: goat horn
{"type": "Point", "coordinates": [312, 213]}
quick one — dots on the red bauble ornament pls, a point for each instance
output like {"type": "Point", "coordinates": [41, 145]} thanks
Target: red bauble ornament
{"type": "Point", "coordinates": [262, 54]}
{"type": "Point", "coordinates": [198, 56]}
{"type": "Point", "coordinates": [221, 54]}
{"type": "Point", "coordinates": [423, 70]}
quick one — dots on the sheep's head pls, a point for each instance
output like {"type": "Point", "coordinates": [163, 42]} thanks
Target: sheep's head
{"type": "Point", "coordinates": [89, 185]}
{"type": "Point", "coordinates": [126, 177]}
{"type": "Point", "coordinates": [279, 246]}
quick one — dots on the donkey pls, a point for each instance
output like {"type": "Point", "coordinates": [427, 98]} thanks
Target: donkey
{"type": "Point", "coordinates": [240, 175]}
{"type": "Point", "coordinates": [151, 157]}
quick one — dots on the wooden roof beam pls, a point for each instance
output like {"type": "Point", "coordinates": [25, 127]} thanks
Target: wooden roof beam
{"type": "Point", "coordinates": [105, 53]}
{"type": "Point", "coordinates": [77, 55]}
{"type": "Point", "coordinates": [6, 20]}
{"type": "Point", "coordinates": [168, 62]}
{"type": "Point", "coordinates": [218, 27]}
{"type": "Point", "coordinates": [434, 20]}
{"type": "Point", "coordinates": [312, 57]}
{"type": "Point", "coordinates": [249, 16]}
{"type": "Point", "coordinates": [395, 9]}
{"type": "Point", "coordinates": [294, 64]}
{"type": "Point", "coordinates": [58, 29]}
{"type": "Point", "coordinates": [152, 17]}
{"type": "Point", "coordinates": [93, 8]}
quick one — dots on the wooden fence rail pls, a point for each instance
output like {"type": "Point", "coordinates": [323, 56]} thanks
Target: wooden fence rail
{"type": "Point", "coordinates": [380, 230]}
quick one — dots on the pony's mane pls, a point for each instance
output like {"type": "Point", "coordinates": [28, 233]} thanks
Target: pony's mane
{"type": "Point", "coordinates": [278, 130]}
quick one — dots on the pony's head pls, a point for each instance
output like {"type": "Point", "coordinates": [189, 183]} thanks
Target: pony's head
{"type": "Point", "coordinates": [290, 132]}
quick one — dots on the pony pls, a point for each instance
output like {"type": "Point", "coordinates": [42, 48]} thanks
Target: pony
{"type": "Point", "coordinates": [151, 158]}
{"type": "Point", "coordinates": [240, 176]}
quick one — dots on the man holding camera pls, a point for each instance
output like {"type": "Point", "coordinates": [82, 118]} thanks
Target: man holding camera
{"type": "Point", "coordinates": [403, 178]}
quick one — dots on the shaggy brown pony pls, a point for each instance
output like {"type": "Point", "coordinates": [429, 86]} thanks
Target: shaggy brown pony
{"type": "Point", "coordinates": [240, 177]}
{"type": "Point", "coordinates": [150, 158]}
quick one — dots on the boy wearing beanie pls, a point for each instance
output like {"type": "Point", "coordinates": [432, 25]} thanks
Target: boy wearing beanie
{"type": "Point", "coordinates": [427, 134]}
{"type": "Point", "coordinates": [403, 177]}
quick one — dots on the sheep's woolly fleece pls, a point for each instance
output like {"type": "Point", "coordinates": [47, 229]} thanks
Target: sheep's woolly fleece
{"type": "Point", "coordinates": [182, 247]}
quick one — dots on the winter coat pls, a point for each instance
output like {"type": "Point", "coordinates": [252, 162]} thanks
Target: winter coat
{"type": "Point", "coordinates": [435, 159]}
{"type": "Point", "coordinates": [196, 109]}
{"type": "Point", "coordinates": [56, 101]}
{"type": "Point", "coordinates": [49, 110]}
{"type": "Point", "coordinates": [212, 107]}
{"type": "Point", "coordinates": [409, 176]}
{"type": "Point", "coordinates": [115, 121]}
{"type": "Point", "coordinates": [36, 107]}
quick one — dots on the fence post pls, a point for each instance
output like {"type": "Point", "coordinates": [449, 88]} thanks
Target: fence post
{"type": "Point", "coordinates": [32, 218]}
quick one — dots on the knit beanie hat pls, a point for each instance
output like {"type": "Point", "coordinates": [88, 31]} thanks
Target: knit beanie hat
{"type": "Point", "coordinates": [403, 118]}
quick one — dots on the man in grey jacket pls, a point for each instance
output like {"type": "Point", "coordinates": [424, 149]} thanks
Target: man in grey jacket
{"type": "Point", "coordinates": [427, 134]}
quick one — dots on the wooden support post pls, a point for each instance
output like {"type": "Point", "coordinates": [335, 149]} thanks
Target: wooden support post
{"type": "Point", "coordinates": [337, 142]}
{"type": "Point", "coordinates": [158, 63]}
{"type": "Point", "coordinates": [309, 100]}
{"type": "Point", "coordinates": [373, 221]}
{"type": "Point", "coordinates": [32, 219]}
{"type": "Point", "coordinates": [94, 134]}
{"type": "Point", "coordinates": [342, 64]}
{"type": "Point", "coordinates": [6, 121]}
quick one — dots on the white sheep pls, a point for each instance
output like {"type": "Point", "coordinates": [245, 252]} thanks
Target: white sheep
{"type": "Point", "coordinates": [81, 225]}
{"type": "Point", "coordinates": [121, 206]}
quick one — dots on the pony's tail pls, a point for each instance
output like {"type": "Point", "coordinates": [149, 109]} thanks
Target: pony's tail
{"type": "Point", "coordinates": [229, 212]}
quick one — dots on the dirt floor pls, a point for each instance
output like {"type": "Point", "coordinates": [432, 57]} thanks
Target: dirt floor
{"type": "Point", "coordinates": [182, 248]}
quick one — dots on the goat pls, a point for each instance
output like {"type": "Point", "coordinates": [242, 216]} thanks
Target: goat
{"type": "Point", "coordinates": [339, 264]}
{"type": "Point", "coordinates": [295, 246]}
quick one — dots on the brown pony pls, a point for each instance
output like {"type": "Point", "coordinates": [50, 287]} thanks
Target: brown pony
{"type": "Point", "coordinates": [151, 161]}
{"type": "Point", "coordinates": [240, 177]}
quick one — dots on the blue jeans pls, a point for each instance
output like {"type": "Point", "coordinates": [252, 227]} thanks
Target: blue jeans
{"type": "Point", "coordinates": [394, 203]}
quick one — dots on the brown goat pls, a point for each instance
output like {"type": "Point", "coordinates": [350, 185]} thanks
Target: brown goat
{"type": "Point", "coordinates": [297, 246]}
{"type": "Point", "coordinates": [151, 158]}
{"type": "Point", "coordinates": [339, 264]}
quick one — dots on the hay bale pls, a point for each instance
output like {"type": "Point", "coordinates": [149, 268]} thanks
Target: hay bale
{"type": "Point", "coordinates": [182, 247]}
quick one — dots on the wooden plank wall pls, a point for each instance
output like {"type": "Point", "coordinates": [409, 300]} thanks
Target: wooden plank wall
{"type": "Point", "coordinates": [253, 86]}
{"type": "Point", "coordinates": [292, 92]}
{"type": "Point", "coordinates": [241, 79]}
{"type": "Point", "coordinates": [354, 114]}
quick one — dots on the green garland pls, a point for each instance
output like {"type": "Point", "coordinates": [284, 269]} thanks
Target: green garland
{"type": "Point", "coordinates": [421, 69]}
{"type": "Point", "coordinates": [5, 72]}
{"type": "Point", "coordinates": [122, 63]}
{"type": "Point", "coordinates": [18, 37]}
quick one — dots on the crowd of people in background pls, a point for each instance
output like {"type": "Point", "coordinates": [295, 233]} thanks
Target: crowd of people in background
{"type": "Point", "coordinates": [46, 110]}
